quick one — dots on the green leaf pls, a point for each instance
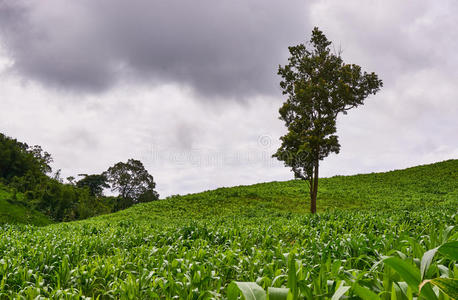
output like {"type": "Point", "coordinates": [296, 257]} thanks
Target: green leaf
{"type": "Point", "coordinates": [249, 291]}
{"type": "Point", "coordinates": [279, 294]}
{"type": "Point", "coordinates": [292, 278]}
{"type": "Point", "coordinates": [340, 292]}
{"type": "Point", "coordinates": [426, 261]}
{"type": "Point", "coordinates": [410, 274]}
{"type": "Point", "coordinates": [448, 286]}
{"type": "Point", "coordinates": [364, 293]}
{"type": "Point", "coordinates": [447, 232]}
{"type": "Point", "coordinates": [401, 290]}
{"type": "Point", "coordinates": [305, 290]}
{"type": "Point", "coordinates": [395, 292]}
{"type": "Point", "coordinates": [449, 249]}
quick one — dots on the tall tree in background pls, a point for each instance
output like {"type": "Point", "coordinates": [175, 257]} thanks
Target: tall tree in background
{"type": "Point", "coordinates": [95, 182]}
{"type": "Point", "coordinates": [132, 181]}
{"type": "Point", "coordinates": [319, 86]}
{"type": "Point", "coordinates": [44, 158]}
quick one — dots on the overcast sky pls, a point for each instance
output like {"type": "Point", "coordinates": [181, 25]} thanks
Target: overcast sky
{"type": "Point", "coordinates": [190, 87]}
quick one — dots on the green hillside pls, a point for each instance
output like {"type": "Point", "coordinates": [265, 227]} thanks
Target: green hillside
{"type": "Point", "coordinates": [13, 212]}
{"type": "Point", "coordinates": [419, 187]}
{"type": "Point", "coordinates": [396, 229]}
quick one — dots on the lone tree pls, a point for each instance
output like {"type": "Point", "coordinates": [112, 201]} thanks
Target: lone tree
{"type": "Point", "coordinates": [132, 181]}
{"type": "Point", "coordinates": [319, 86]}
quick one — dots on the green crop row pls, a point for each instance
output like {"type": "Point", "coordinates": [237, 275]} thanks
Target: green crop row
{"type": "Point", "coordinates": [142, 258]}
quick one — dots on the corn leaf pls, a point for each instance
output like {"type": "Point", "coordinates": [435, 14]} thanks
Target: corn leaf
{"type": "Point", "coordinates": [448, 286]}
{"type": "Point", "coordinates": [449, 249]}
{"type": "Point", "coordinates": [364, 293]}
{"type": "Point", "coordinates": [249, 291]}
{"type": "Point", "coordinates": [340, 292]}
{"type": "Point", "coordinates": [426, 261]}
{"type": "Point", "coordinates": [279, 294]}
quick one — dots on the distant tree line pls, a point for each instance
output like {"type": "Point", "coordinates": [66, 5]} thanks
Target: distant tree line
{"type": "Point", "coordinates": [26, 171]}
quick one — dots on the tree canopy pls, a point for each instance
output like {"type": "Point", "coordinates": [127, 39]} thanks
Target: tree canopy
{"type": "Point", "coordinates": [95, 182]}
{"type": "Point", "coordinates": [132, 181]}
{"type": "Point", "coordinates": [318, 86]}
{"type": "Point", "coordinates": [26, 172]}
{"type": "Point", "coordinates": [18, 159]}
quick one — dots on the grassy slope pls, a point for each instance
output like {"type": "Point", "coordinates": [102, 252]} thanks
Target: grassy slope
{"type": "Point", "coordinates": [417, 187]}
{"type": "Point", "coordinates": [14, 213]}
{"type": "Point", "coordinates": [413, 188]}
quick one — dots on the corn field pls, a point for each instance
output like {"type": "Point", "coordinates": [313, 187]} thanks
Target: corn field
{"type": "Point", "coordinates": [385, 241]}
{"type": "Point", "coordinates": [335, 255]}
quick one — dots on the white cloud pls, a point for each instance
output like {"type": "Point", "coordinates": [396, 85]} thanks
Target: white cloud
{"type": "Point", "coordinates": [190, 143]}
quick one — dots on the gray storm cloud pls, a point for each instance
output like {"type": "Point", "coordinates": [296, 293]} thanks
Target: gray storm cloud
{"type": "Point", "coordinates": [223, 49]}
{"type": "Point", "coordinates": [100, 81]}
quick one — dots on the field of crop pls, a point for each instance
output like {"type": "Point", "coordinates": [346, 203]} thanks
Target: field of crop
{"type": "Point", "coordinates": [391, 231]}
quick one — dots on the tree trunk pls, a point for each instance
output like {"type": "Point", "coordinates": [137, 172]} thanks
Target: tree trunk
{"type": "Point", "coordinates": [310, 180]}
{"type": "Point", "coordinates": [314, 190]}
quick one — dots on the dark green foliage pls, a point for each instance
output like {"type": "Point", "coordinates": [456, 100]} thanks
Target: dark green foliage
{"type": "Point", "coordinates": [84, 199]}
{"type": "Point", "coordinates": [62, 202]}
{"type": "Point", "coordinates": [42, 158]}
{"type": "Point", "coordinates": [18, 159]}
{"type": "Point", "coordinates": [319, 86]}
{"type": "Point", "coordinates": [13, 209]}
{"type": "Point", "coordinates": [95, 182]}
{"type": "Point", "coordinates": [24, 170]}
{"type": "Point", "coordinates": [148, 196]}
{"type": "Point", "coordinates": [132, 181]}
